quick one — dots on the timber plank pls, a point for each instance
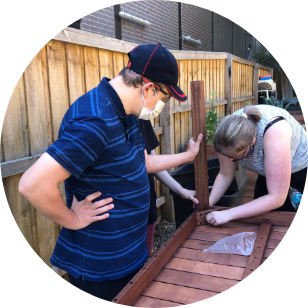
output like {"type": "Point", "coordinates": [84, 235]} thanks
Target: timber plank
{"type": "Point", "coordinates": [15, 135]}
{"type": "Point", "coordinates": [36, 105]}
{"type": "Point", "coordinates": [58, 86]}
{"type": "Point", "coordinates": [211, 269]}
{"type": "Point", "coordinates": [196, 244]}
{"type": "Point", "coordinates": [177, 294]}
{"type": "Point", "coordinates": [197, 281]}
{"type": "Point", "coordinates": [91, 67]}
{"type": "Point", "coordinates": [105, 64]}
{"type": "Point", "coordinates": [75, 72]}
{"type": "Point", "coordinates": [257, 254]}
{"type": "Point", "coordinates": [144, 301]}
{"type": "Point", "coordinates": [218, 258]}
{"type": "Point", "coordinates": [222, 229]}
{"type": "Point", "coordinates": [199, 126]}
{"type": "Point", "coordinates": [144, 277]}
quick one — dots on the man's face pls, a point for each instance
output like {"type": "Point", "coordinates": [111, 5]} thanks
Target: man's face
{"type": "Point", "coordinates": [151, 99]}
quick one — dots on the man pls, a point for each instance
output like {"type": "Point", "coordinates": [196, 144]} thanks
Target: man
{"type": "Point", "coordinates": [100, 155]}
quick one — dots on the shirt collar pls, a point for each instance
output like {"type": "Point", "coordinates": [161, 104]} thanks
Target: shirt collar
{"type": "Point", "coordinates": [114, 97]}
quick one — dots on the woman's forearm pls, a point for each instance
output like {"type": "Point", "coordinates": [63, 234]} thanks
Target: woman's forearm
{"type": "Point", "coordinates": [169, 181]}
{"type": "Point", "coordinates": [221, 184]}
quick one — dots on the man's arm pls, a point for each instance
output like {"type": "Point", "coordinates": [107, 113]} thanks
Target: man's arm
{"type": "Point", "coordinates": [156, 163]}
{"type": "Point", "coordinates": [39, 185]}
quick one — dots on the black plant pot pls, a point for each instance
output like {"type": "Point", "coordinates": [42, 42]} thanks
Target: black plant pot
{"type": "Point", "coordinates": [185, 175]}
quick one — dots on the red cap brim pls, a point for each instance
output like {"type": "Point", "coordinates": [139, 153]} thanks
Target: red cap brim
{"type": "Point", "coordinates": [177, 93]}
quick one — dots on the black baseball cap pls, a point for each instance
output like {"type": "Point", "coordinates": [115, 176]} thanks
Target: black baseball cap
{"type": "Point", "coordinates": [156, 63]}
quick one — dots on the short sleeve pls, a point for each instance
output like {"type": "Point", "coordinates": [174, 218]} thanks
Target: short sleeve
{"type": "Point", "coordinates": [149, 136]}
{"type": "Point", "coordinates": [81, 143]}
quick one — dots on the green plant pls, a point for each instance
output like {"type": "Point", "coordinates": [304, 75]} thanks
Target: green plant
{"type": "Point", "coordinates": [212, 119]}
{"type": "Point", "coordinates": [274, 102]}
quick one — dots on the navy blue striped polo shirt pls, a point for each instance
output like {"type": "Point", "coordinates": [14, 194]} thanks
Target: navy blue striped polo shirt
{"type": "Point", "coordinates": [103, 149]}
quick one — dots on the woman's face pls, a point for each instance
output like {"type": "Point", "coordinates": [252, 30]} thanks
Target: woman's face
{"type": "Point", "coordinates": [237, 156]}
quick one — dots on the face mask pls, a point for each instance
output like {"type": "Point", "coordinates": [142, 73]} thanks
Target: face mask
{"type": "Point", "coordinates": [147, 114]}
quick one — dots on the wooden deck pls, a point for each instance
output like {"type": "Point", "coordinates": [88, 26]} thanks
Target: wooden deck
{"type": "Point", "coordinates": [181, 273]}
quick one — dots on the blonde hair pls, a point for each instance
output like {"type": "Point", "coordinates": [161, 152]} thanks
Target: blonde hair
{"type": "Point", "coordinates": [236, 132]}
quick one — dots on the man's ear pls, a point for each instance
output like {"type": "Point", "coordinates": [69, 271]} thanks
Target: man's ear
{"type": "Point", "coordinates": [146, 88]}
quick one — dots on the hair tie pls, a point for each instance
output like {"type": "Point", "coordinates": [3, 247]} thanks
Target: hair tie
{"type": "Point", "coordinates": [244, 115]}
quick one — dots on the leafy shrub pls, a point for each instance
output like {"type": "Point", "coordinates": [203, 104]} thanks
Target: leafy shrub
{"type": "Point", "coordinates": [212, 119]}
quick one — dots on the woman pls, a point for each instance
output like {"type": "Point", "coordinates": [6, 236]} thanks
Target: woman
{"type": "Point", "coordinates": [268, 141]}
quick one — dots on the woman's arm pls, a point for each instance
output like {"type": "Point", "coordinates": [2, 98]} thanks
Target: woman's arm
{"type": "Point", "coordinates": [156, 163]}
{"type": "Point", "coordinates": [277, 164]}
{"type": "Point", "coordinates": [223, 179]}
{"type": "Point", "coordinates": [171, 183]}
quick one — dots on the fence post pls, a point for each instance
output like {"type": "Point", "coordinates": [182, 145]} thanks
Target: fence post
{"type": "Point", "coordinates": [255, 83]}
{"type": "Point", "coordinates": [228, 83]}
{"type": "Point", "coordinates": [199, 126]}
{"type": "Point", "coordinates": [167, 147]}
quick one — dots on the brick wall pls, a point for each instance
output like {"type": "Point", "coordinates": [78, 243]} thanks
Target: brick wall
{"type": "Point", "coordinates": [215, 32]}
{"type": "Point", "coordinates": [197, 22]}
{"type": "Point", "coordinates": [163, 16]}
{"type": "Point", "coordinates": [222, 34]}
{"type": "Point", "coordinates": [100, 22]}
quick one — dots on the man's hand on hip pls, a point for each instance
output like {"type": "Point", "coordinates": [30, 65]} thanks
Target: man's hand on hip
{"type": "Point", "coordinates": [87, 211]}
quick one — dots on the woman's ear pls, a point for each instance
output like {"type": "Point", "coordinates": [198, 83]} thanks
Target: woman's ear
{"type": "Point", "coordinates": [253, 141]}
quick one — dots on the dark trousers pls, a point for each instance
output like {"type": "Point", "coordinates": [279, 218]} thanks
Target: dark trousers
{"type": "Point", "coordinates": [298, 180]}
{"type": "Point", "coordinates": [106, 290]}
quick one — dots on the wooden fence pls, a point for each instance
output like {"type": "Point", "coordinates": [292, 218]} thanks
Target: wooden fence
{"type": "Point", "coordinates": [70, 65]}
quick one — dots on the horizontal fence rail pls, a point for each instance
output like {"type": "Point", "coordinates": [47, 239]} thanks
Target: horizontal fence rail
{"type": "Point", "coordinates": [71, 64]}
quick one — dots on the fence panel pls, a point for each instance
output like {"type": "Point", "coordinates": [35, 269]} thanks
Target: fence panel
{"type": "Point", "coordinates": [72, 64]}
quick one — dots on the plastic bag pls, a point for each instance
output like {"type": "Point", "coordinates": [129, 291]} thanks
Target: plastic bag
{"type": "Point", "coordinates": [239, 244]}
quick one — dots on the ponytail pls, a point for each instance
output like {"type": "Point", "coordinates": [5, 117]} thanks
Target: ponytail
{"type": "Point", "coordinates": [235, 132]}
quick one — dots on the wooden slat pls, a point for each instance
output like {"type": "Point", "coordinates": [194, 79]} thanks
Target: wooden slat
{"type": "Point", "coordinates": [218, 258]}
{"type": "Point", "coordinates": [199, 126]}
{"type": "Point", "coordinates": [177, 294]}
{"type": "Point", "coordinates": [86, 38]}
{"type": "Point", "coordinates": [186, 108]}
{"type": "Point", "coordinates": [158, 130]}
{"type": "Point", "coordinates": [241, 99]}
{"type": "Point", "coordinates": [92, 77]}
{"type": "Point", "coordinates": [160, 201]}
{"type": "Point", "coordinates": [118, 63]}
{"type": "Point", "coordinates": [144, 301]}
{"type": "Point", "coordinates": [276, 218]}
{"type": "Point", "coordinates": [17, 166]}
{"type": "Point", "coordinates": [167, 147]}
{"type": "Point", "coordinates": [185, 71]}
{"type": "Point", "coordinates": [229, 84]}
{"type": "Point", "coordinates": [144, 277]}
{"type": "Point", "coordinates": [196, 244]}
{"type": "Point", "coordinates": [257, 254]}
{"type": "Point", "coordinates": [23, 212]}
{"type": "Point", "coordinates": [15, 135]}
{"type": "Point", "coordinates": [37, 105]}
{"type": "Point", "coordinates": [223, 230]}
{"type": "Point", "coordinates": [75, 72]}
{"type": "Point", "coordinates": [211, 269]}
{"type": "Point", "coordinates": [106, 64]}
{"type": "Point", "coordinates": [242, 61]}
{"type": "Point", "coordinates": [201, 55]}
{"type": "Point", "coordinates": [193, 280]}
{"type": "Point", "coordinates": [263, 67]}
{"type": "Point", "coordinates": [57, 73]}
{"type": "Point", "coordinates": [255, 83]}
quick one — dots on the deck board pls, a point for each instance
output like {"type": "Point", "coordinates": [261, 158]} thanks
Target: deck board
{"type": "Point", "coordinates": [175, 293]}
{"type": "Point", "coordinates": [192, 275]}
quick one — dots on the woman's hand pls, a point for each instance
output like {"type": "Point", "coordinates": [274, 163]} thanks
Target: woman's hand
{"type": "Point", "coordinates": [216, 218]}
{"type": "Point", "coordinates": [87, 211]}
{"type": "Point", "coordinates": [190, 195]}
